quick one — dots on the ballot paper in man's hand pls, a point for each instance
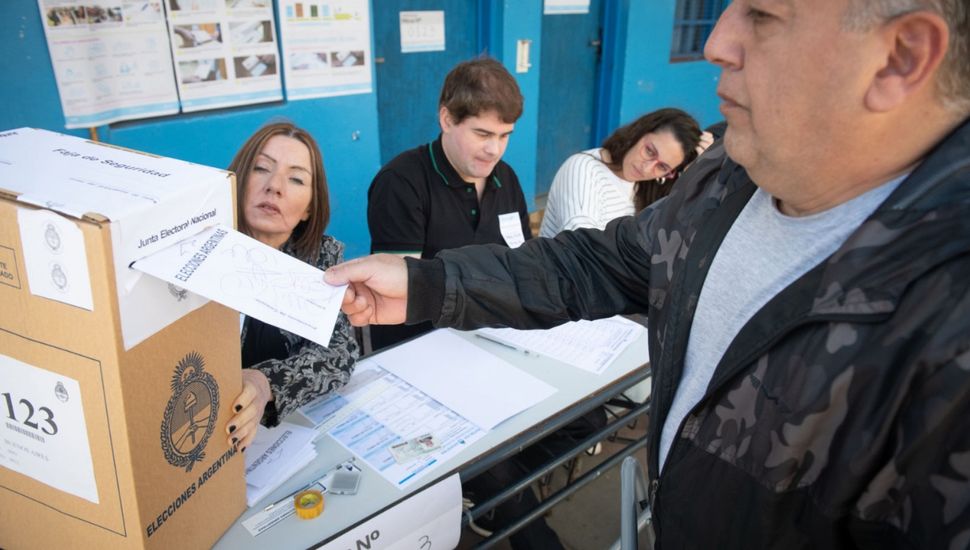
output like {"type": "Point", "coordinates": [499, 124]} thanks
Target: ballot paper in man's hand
{"type": "Point", "coordinates": [253, 278]}
{"type": "Point", "coordinates": [407, 451]}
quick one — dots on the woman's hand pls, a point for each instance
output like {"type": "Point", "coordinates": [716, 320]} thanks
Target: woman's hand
{"type": "Point", "coordinates": [248, 407]}
{"type": "Point", "coordinates": [707, 139]}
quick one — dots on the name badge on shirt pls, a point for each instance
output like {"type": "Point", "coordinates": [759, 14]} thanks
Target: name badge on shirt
{"type": "Point", "coordinates": [511, 228]}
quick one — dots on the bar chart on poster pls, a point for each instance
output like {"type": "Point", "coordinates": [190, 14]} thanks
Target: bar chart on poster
{"type": "Point", "coordinates": [326, 47]}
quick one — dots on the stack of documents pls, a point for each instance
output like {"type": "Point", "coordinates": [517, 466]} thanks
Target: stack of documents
{"type": "Point", "coordinates": [465, 378]}
{"type": "Point", "coordinates": [377, 411]}
{"type": "Point", "coordinates": [432, 396]}
{"type": "Point", "coordinates": [588, 345]}
{"type": "Point", "coordinates": [274, 456]}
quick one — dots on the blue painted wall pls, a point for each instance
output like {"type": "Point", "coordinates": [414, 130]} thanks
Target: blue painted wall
{"type": "Point", "coordinates": [647, 79]}
{"type": "Point", "coordinates": [642, 79]}
{"type": "Point", "coordinates": [511, 21]}
{"type": "Point", "coordinates": [28, 96]}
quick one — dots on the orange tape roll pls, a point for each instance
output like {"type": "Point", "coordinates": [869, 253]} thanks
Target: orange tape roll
{"type": "Point", "coordinates": [308, 504]}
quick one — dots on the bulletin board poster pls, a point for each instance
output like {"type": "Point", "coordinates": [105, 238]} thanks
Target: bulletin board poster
{"type": "Point", "coordinates": [224, 52]}
{"type": "Point", "coordinates": [563, 7]}
{"type": "Point", "coordinates": [326, 47]}
{"type": "Point", "coordinates": [111, 59]}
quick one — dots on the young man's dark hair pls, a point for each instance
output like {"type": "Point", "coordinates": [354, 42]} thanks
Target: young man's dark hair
{"type": "Point", "coordinates": [479, 85]}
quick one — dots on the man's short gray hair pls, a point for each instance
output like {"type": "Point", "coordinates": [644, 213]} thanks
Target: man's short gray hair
{"type": "Point", "coordinates": [953, 79]}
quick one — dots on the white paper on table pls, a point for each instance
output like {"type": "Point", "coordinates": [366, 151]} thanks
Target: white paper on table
{"type": "Point", "coordinates": [377, 409]}
{"type": "Point", "coordinates": [294, 464]}
{"type": "Point", "coordinates": [330, 409]}
{"type": "Point", "coordinates": [588, 345]}
{"type": "Point", "coordinates": [253, 278]}
{"type": "Point", "coordinates": [429, 519]}
{"type": "Point", "coordinates": [262, 521]}
{"type": "Point", "coordinates": [511, 227]}
{"type": "Point", "coordinates": [474, 383]}
{"type": "Point", "coordinates": [55, 257]}
{"type": "Point", "coordinates": [422, 31]}
{"type": "Point", "coordinates": [279, 510]}
{"type": "Point", "coordinates": [274, 456]}
{"type": "Point", "coordinates": [44, 435]}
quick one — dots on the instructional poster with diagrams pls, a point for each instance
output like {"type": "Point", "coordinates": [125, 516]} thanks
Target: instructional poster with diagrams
{"type": "Point", "coordinates": [326, 47]}
{"type": "Point", "coordinates": [111, 59]}
{"type": "Point", "coordinates": [224, 52]}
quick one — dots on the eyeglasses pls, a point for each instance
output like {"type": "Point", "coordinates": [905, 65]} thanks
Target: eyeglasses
{"type": "Point", "coordinates": [650, 153]}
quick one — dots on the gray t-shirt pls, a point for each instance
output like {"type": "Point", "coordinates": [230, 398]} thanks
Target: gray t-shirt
{"type": "Point", "coordinates": [762, 253]}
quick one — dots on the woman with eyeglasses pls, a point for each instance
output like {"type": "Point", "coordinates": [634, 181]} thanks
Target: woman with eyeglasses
{"type": "Point", "coordinates": [632, 169]}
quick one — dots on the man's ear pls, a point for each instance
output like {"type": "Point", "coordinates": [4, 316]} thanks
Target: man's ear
{"type": "Point", "coordinates": [445, 120]}
{"type": "Point", "coordinates": [915, 46]}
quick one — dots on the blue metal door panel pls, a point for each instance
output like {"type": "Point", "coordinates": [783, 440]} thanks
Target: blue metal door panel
{"type": "Point", "coordinates": [570, 62]}
{"type": "Point", "coordinates": [408, 84]}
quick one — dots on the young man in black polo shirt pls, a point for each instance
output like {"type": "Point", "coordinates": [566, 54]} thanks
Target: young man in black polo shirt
{"type": "Point", "coordinates": [453, 192]}
{"type": "Point", "coordinates": [456, 190]}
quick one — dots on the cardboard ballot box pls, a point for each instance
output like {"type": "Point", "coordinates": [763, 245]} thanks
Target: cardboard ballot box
{"type": "Point", "coordinates": [115, 387]}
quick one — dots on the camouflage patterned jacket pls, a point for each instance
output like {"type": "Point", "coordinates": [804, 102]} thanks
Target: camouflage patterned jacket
{"type": "Point", "coordinates": [839, 417]}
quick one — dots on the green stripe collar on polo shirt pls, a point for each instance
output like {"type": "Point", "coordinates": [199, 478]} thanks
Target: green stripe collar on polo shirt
{"type": "Point", "coordinates": [434, 164]}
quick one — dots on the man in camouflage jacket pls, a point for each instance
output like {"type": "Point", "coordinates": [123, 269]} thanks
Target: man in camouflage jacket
{"type": "Point", "coordinates": [839, 415]}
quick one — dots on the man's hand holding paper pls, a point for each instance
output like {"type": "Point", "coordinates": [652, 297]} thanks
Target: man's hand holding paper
{"type": "Point", "coordinates": [378, 291]}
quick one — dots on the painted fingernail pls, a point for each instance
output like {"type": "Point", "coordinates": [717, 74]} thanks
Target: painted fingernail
{"type": "Point", "coordinates": [232, 429]}
{"type": "Point", "coordinates": [234, 441]}
{"type": "Point", "coordinates": [238, 408]}
{"type": "Point", "coordinates": [244, 449]}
